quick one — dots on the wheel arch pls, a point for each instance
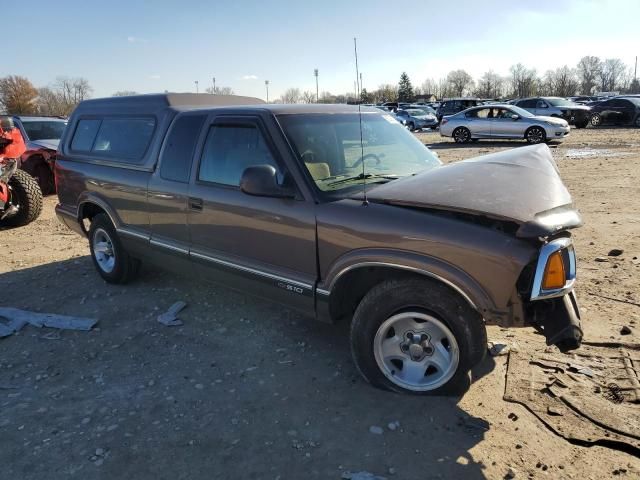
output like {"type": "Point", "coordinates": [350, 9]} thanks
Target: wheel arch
{"type": "Point", "coordinates": [347, 283]}
{"type": "Point", "coordinates": [90, 206]}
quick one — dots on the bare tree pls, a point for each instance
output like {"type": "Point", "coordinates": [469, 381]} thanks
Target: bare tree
{"type": "Point", "coordinates": [327, 97]}
{"type": "Point", "coordinates": [611, 74]}
{"type": "Point", "coordinates": [460, 82]}
{"type": "Point", "coordinates": [18, 95]}
{"type": "Point", "coordinates": [220, 91]}
{"type": "Point", "coordinates": [491, 85]}
{"type": "Point", "coordinates": [387, 93]}
{"type": "Point", "coordinates": [523, 81]}
{"type": "Point", "coordinates": [50, 102]}
{"type": "Point", "coordinates": [291, 95]}
{"type": "Point", "coordinates": [589, 70]}
{"type": "Point", "coordinates": [308, 97]}
{"type": "Point", "coordinates": [561, 82]}
{"type": "Point", "coordinates": [124, 93]}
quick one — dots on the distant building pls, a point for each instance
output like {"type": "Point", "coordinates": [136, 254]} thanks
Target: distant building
{"type": "Point", "coordinates": [426, 98]}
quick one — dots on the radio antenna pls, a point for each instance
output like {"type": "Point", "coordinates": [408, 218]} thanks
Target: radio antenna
{"type": "Point", "coordinates": [365, 201]}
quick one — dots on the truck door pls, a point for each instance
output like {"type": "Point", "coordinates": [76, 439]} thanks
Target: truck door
{"type": "Point", "coordinates": [168, 191]}
{"type": "Point", "coordinates": [264, 245]}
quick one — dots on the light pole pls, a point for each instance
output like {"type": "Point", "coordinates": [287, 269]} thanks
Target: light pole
{"type": "Point", "coordinates": [196, 82]}
{"type": "Point", "coordinates": [266, 84]}
{"type": "Point", "coordinates": [315, 72]}
{"type": "Point", "coordinates": [214, 85]}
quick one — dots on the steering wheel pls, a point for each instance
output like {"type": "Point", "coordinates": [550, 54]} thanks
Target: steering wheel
{"type": "Point", "coordinates": [362, 159]}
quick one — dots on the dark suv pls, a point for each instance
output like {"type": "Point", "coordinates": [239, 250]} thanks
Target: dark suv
{"type": "Point", "coordinates": [572, 112]}
{"type": "Point", "coordinates": [455, 105]}
{"type": "Point", "coordinates": [331, 212]}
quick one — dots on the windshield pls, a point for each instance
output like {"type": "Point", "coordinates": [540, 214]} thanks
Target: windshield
{"type": "Point", "coordinates": [520, 111]}
{"type": "Point", "coordinates": [416, 112]}
{"type": "Point", "coordinates": [329, 146]}
{"type": "Point", "coordinates": [43, 129]}
{"type": "Point", "coordinates": [634, 100]}
{"type": "Point", "coordinates": [561, 102]}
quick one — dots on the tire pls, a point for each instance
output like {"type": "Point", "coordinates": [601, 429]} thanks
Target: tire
{"type": "Point", "coordinates": [596, 120]}
{"type": "Point", "coordinates": [411, 126]}
{"type": "Point", "coordinates": [411, 361]}
{"type": "Point", "coordinates": [462, 135]}
{"type": "Point", "coordinates": [582, 124]}
{"type": "Point", "coordinates": [26, 196]}
{"type": "Point", "coordinates": [112, 261]}
{"type": "Point", "coordinates": [535, 135]}
{"type": "Point", "coordinates": [637, 122]}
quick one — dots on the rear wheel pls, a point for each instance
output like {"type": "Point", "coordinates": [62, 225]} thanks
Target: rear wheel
{"type": "Point", "coordinates": [112, 261]}
{"type": "Point", "coordinates": [26, 197]}
{"type": "Point", "coordinates": [535, 135]}
{"type": "Point", "coordinates": [462, 135]}
{"type": "Point", "coordinates": [416, 336]}
{"type": "Point", "coordinates": [596, 120]}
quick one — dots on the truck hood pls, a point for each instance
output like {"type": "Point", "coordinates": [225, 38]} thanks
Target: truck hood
{"type": "Point", "coordinates": [49, 144]}
{"type": "Point", "coordinates": [521, 185]}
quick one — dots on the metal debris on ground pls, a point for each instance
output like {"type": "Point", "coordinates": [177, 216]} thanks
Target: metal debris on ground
{"type": "Point", "coordinates": [588, 397]}
{"type": "Point", "coordinates": [170, 317]}
{"type": "Point", "coordinates": [13, 320]}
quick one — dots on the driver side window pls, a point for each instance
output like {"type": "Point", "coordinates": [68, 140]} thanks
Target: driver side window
{"type": "Point", "coordinates": [229, 150]}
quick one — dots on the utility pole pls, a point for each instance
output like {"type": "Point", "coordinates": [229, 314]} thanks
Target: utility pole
{"type": "Point", "coordinates": [315, 72]}
{"type": "Point", "coordinates": [214, 85]}
{"type": "Point", "coordinates": [635, 75]}
{"type": "Point", "coordinates": [266, 84]}
{"type": "Point", "coordinates": [196, 82]}
{"type": "Point", "coordinates": [360, 99]}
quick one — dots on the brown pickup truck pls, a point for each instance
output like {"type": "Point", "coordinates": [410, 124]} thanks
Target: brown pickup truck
{"type": "Point", "coordinates": [331, 211]}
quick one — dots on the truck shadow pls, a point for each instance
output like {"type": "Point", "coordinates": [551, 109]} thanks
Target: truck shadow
{"type": "Point", "coordinates": [445, 145]}
{"type": "Point", "coordinates": [242, 384]}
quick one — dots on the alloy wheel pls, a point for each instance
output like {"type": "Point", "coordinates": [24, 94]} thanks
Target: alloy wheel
{"type": "Point", "coordinates": [461, 135]}
{"type": "Point", "coordinates": [535, 135]}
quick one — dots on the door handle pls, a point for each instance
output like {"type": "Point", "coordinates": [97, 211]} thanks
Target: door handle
{"type": "Point", "coordinates": [195, 204]}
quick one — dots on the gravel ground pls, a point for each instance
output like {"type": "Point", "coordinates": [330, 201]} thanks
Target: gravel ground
{"type": "Point", "coordinates": [246, 389]}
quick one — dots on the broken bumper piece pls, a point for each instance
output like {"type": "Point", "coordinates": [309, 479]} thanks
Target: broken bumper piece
{"type": "Point", "coordinates": [559, 320]}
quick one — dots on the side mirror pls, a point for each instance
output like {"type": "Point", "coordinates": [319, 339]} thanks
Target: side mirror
{"type": "Point", "coordinates": [515, 116]}
{"type": "Point", "coordinates": [262, 181]}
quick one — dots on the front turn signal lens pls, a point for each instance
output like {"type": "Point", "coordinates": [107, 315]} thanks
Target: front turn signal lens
{"type": "Point", "coordinates": [554, 276]}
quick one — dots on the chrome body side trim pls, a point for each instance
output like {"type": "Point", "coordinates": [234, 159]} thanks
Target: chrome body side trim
{"type": "Point", "coordinates": [132, 233]}
{"type": "Point", "coordinates": [408, 268]}
{"type": "Point", "coordinates": [325, 293]}
{"type": "Point", "coordinates": [168, 246]}
{"type": "Point", "coordinates": [548, 249]}
{"type": "Point", "coordinates": [250, 270]}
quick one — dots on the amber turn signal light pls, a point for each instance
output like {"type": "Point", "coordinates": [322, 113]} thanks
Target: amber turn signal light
{"type": "Point", "coordinates": [554, 276]}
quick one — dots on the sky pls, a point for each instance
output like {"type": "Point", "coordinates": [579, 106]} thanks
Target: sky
{"type": "Point", "coordinates": [161, 45]}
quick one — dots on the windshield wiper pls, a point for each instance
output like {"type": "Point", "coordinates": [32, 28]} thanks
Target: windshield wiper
{"type": "Point", "coordinates": [363, 177]}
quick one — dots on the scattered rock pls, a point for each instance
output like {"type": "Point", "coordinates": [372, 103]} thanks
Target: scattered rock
{"type": "Point", "coordinates": [625, 330]}
{"type": "Point", "coordinates": [392, 471]}
{"type": "Point", "coordinates": [376, 430]}
{"type": "Point", "coordinates": [498, 349]}
{"type": "Point", "coordinates": [511, 473]}
{"type": "Point", "coordinates": [601, 259]}
{"type": "Point", "coordinates": [615, 252]}
{"type": "Point", "coordinates": [512, 416]}
{"type": "Point", "coordinates": [551, 410]}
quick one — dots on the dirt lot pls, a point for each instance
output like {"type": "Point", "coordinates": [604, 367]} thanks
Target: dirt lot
{"type": "Point", "coordinates": [246, 389]}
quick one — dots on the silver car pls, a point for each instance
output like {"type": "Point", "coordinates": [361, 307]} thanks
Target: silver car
{"type": "Point", "coordinates": [502, 121]}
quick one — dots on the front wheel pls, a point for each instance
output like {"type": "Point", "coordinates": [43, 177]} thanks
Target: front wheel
{"type": "Point", "coordinates": [596, 120]}
{"type": "Point", "coordinates": [112, 261]}
{"type": "Point", "coordinates": [416, 336]}
{"type": "Point", "coordinates": [25, 197]}
{"type": "Point", "coordinates": [536, 135]}
{"type": "Point", "coordinates": [461, 135]}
